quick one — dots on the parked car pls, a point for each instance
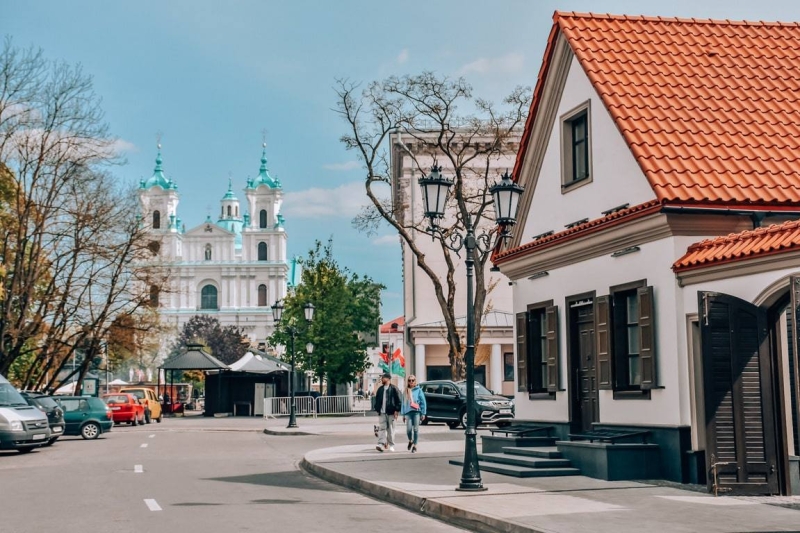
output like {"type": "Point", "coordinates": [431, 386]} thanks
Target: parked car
{"type": "Point", "coordinates": [22, 427]}
{"type": "Point", "coordinates": [86, 416]}
{"type": "Point", "coordinates": [47, 405]}
{"type": "Point", "coordinates": [447, 402]}
{"type": "Point", "coordinates": [148, 398]}
{"type": "Point", "coordinates": [125, 408]}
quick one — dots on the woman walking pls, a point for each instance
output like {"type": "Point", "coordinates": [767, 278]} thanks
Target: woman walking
{"type": "Point", "coordinates": [413, 411]}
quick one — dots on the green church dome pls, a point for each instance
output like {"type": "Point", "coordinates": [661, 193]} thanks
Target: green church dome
{"type": "Point", "coordinates": [158, 179]}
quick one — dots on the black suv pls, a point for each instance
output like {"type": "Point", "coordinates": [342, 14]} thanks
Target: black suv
{"type": "Point", "coordinates": [47, 405]}
{"type": "Point", "coordinates": [447, 402]}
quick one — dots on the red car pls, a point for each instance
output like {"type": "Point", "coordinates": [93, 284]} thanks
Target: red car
{"type": "Point", "coordinates": [125, 408]}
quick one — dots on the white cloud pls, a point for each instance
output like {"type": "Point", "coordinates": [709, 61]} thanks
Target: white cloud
{"type": "Point", "coordinates": [508, 64]}
{"type": "Point", "coordinates": [347, 165]}
{"type": "Point", "coordinates": [386, 240]}
{"type": "Point", "coordinates": [402, 57]}
{"type": "Point", "coordinates": [344, 201]}
{"type": "Point", "coordinates": [121, 146]}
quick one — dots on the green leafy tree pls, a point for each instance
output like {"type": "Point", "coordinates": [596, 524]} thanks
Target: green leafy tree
{"type": "Point", "coordinates": [224, 343]}
{"type": "Point", "coordinates": [346, 304]}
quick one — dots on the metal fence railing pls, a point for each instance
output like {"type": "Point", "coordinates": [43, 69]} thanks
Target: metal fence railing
{"type": "Point", "coordinates": [314, 407]}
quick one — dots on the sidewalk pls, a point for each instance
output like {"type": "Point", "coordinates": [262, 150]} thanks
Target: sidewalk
{"type": "Point", "coordinates": [424, 482]}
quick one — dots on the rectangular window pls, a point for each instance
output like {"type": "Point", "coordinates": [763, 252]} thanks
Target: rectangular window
{"type": "Point", "coordinates": [576, 147]}
{"type": "Point", "coordinates": [508, 366]}
{"type": "Point", "coordinates": [580, 148]}
{"type": "Point", "coordinates": [537, 369]}
{"type": "Point", "coordinates": [627, 351]}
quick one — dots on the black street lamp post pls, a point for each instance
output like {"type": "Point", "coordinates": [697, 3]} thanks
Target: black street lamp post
{"type": "Point", "coordinates": [277, 313]}
{"type": "Point", "coordinates": [505, 195]}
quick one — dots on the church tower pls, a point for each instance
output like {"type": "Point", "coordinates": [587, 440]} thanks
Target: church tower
{"type": "Point", "coordinates": [264, 238]}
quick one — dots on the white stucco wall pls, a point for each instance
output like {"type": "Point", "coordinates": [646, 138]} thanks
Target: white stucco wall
{"type": "Point", "coordinates": [616, 177]}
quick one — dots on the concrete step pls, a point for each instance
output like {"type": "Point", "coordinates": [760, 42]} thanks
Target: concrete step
{"type": "Point", "coordinates": [496, 443]}
{"type": "Point", "coordinates": [547, 453]}
{"type": "Point", "coordinates": [519, 460]}
{"type": "Point", "coordinates": [520, 471]}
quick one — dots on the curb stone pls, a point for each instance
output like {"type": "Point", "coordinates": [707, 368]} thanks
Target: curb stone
{"type": "Point", "coordinates": [442, 511]}
{"type": "Point", "coordinates": [282, 433]}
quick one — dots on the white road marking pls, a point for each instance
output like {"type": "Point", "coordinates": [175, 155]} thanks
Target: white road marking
{"type": "Point", "coordinates": [143, 445]}
{"type": "Point", "coordinates": [152, 505]}
{"type": "Point", "coordinates": [138, 469]}
{"type": "Point", "coordinates": [151, 436]}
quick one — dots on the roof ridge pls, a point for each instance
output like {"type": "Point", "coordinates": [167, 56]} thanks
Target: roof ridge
{"type": "Point", "coordinates": [681, 20]}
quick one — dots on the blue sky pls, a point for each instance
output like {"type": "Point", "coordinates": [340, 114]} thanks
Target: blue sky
{"type": "Point", "coordinates": [210, 76]}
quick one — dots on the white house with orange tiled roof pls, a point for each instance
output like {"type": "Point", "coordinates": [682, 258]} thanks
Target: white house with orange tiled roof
{"type": "Point", "coordinates": [655, 255]}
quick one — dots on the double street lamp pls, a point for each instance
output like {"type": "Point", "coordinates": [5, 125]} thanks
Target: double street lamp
{"type": "Point", "coordinates": [277, 313]}
{"type": "Point", "coordinates": [505, 194]}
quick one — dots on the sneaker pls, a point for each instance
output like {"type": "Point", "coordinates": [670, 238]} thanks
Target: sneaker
{"type": "Point", "coordinates": [391, 448]}
{"type": "Point", "coordinates": [379, 448]}
{"type": "Point", "coordinates": [410, 444]}
{"type": "Point", "coordinates": [375, 429]}
{"type": "Point", "coordinates": [414, 449]}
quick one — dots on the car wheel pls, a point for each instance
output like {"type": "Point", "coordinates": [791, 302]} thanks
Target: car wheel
{"type": "Point", "coordinates": [90, 430]}
{"type": "Point", "coordinates": [147, 416]}
{"type": "Point", "coordinates": [453, 425]}
{"type": "Point", "coordinates": [462, 418]}
{"type": "Point", "coordinates": [140, 421]}
{"type": "Point", "coordinates": [133, 421]}
{"type": "Point", "coordinates": [25, 450]}
{"type": "Point", "coordinates": [160, 416]}
{"type": "Point", "coordinates": [51, 442]}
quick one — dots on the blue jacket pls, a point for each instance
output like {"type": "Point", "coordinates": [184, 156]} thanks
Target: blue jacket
{"type": "Point", "coordinates": [419, 397]}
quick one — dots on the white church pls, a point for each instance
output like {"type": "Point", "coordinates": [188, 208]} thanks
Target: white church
{"type": "Point", "coordinates": [233, 268]}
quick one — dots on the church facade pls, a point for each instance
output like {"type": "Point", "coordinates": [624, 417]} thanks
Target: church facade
{"type": "Point", "coordinates": [232, 268]}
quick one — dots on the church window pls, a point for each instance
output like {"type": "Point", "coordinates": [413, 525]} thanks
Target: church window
{"type": "Point", "coordinates": [208, 297]}
{"type": "Point", "coordinates": [237, 210]}
{"type": "Point", "coordinates": [229, 211]}
{"type": "Point", "coordinates": [262, 295]}
{"type": "Point", "coordinates": [262, 251]}
{"type": "Point", "coordinates": [262, 219]}
{"type": "Point", "coordinates": [208, 252]}
{"type": "Point", "coordinates": [222, 211]}
{"type": "Point", "coordinates": [154, 292]}
{"type": "Point", "coordinates": [156, 220]}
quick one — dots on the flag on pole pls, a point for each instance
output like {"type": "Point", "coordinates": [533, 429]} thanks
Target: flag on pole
{"type": "Point", "coordinates": [397, 363]}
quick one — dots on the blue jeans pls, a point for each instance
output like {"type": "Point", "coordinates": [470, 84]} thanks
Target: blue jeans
{"type": "Point", "coordinates": [412, 425]}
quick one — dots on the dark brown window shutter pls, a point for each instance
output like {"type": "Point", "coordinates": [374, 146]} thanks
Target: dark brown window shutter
{"type": "Point", "coordinates": [522, 352]}
{"type": "Point", "coordinates": [647, 337]}
{"type": "Point", "coordinates": [603, 333]}
{"type": "Point", "coordinates": [551, 325]}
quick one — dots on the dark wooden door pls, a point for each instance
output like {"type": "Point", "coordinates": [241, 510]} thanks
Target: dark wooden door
{"type": "Point", "coordinates": [584, 367]}
{"type": "Point", "coordinates": [740, 413]}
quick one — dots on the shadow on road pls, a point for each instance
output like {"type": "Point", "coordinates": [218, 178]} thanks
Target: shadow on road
{"type": "Point", "coordinates": [291, 479]}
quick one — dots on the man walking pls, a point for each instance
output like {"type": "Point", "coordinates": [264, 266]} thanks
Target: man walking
{"type": "Point", "coordinates": [387, 405]}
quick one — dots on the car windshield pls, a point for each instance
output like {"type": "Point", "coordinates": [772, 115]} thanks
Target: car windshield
{"type": "Point", "coordinates": [10, 397]}
{"type": "Point", "coordinates": [479, 389]}
{"type": "Point", "coordinates": [120, 398]}
{"type": "Point", "coordinates": [46, 402]}
{"type": "Point", "coordinates": [138, 393]}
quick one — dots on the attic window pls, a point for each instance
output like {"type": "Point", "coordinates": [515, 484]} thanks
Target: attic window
{"type": "Point", "coordinates": [576, 148]}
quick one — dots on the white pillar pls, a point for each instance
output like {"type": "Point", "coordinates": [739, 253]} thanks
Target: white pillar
{"type": "Point", "coordinates": [419, 362]}
{"type": "Point", "coordinates": [496, 369]}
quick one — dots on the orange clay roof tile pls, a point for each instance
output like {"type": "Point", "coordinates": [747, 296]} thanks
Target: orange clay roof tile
{"type": "Point", "coordinates": [740, 246]}
{"type": "Point", "coordinates": [710, 108]}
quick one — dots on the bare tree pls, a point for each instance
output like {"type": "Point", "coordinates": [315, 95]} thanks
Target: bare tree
{"type": "Point", "coordinates": [421, 115]}
{"type": "Point", "coordinates": [72, 256]}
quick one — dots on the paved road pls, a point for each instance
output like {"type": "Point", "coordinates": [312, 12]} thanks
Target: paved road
{"type": "Point", "coordinates": [190, 479]}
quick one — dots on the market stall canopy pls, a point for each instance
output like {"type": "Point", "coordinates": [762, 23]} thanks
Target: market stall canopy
{"type": "Point", "coordinates": [258, 364]}
{"type": "Point", "coordinates": [194, 358]}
